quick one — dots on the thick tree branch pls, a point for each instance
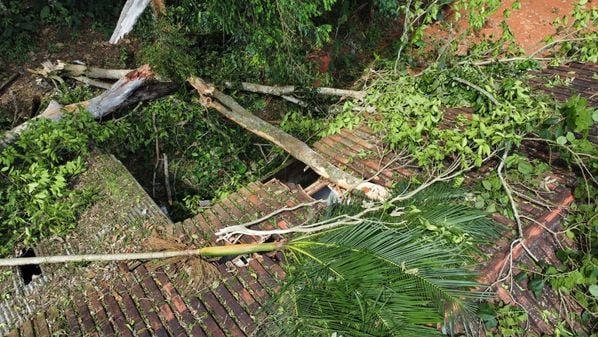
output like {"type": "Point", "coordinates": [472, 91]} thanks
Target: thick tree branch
{"type": "Point", "coordinates": [211, 97]}
{"type": "Point", "coordinates": [287, 90]}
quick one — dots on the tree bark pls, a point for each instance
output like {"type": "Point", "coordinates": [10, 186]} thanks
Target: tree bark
{"type": "Point", "coordinates": [128, 17]}
{"type": "Point", "coordinates": [211, 97]}
{"type": "Point", "coordinates": [289, 89]}
{"type": "Point", "coordinates": [138, 85]}
{"type": "Point", "coordinates": [94, 72]}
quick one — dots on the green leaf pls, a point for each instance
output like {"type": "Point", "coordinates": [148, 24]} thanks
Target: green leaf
{"type": "Point", "coordinates": [561, 140]}
{"type": "Point", "coordinates": [578, 115]}
{"type": "Point", "coordinates": [44, 13]}
{"type": "Point", "coordinates": [536, 285]}
{"type": "Point", "coordinates": [594, 290]}
{"type": "Point", "coordinates": [458, 181]}
{"type": "Point", "coordinates": [516, 5]}
{"type": "Point", "coordinates": [525, 167]}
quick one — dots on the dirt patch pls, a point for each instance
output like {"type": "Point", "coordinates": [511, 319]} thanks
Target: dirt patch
{"type": "Point", "coordinates": [530, 25]}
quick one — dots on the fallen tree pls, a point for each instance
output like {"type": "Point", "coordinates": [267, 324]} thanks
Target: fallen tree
{"type": "Point", "coordinates": [226, 105]}
{"type": "Point", "coordinates": [136, 86]}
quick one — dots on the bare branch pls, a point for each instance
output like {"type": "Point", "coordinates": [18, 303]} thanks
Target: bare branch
{"type": "Point", "coordinates": [508, 191]}
{"type": "Point", "coordinates": [287, 90]}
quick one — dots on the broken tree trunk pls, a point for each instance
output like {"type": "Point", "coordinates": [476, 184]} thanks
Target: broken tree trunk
{"type": "Point", "coordinates": [59, 68]}
{"type": "Point", "coordinates": [128, 17]}
{"type": "Point", "coordinates": [211, 97]}
{"type": "Point", "coordinates": [136, 86]}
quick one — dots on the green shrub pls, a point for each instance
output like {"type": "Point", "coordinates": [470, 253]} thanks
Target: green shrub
{"type": "Point", "coordinates": [208, 156]}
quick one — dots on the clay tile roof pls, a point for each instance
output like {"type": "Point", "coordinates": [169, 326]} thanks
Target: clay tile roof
{"type": "Point", "coordinates": [138, 300]}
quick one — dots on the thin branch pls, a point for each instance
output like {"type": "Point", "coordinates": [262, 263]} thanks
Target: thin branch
{"type": "Point", "coordinates": [404, 35]}
{"type": "Point", "coordinates": [167, 180]}
{"type": "Point", "coordinates": [215, 251]}
{"type": "Point", "coordinates": [8, 82]}
{"type": "Point", "coordinates": [532, 200]}
{"type": "Point", "coordinates": [561, 41]}
{"type": "Point", "coordinates": [92, 82]}
{"type": "Point", "coordinates": [157, 150]}
{"type": "Point", "coordinates": [226, 230]}
{"type": "Point", "coordinates": [504, 60]}
{"type": "Point", "coordinates": [508, 191]}
{"type": "Point", "coordinates": [482, 91]}
{"type": "Point", "coordinates": [550, 141]}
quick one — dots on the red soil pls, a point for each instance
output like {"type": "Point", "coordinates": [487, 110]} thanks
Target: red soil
{"type": "Point", "coordinates": [530, 25]}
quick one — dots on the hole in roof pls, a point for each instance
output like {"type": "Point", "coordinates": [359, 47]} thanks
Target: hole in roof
{"type": "Point", "coordinates": [325, 193]}
{"type": "Point", "coordinates": [297, 173]}
{"type": "Point", "coordinates": [29, 272]}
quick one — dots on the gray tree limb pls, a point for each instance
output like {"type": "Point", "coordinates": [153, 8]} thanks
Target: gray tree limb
{"type": "Point", "coordinates": [226, 105]}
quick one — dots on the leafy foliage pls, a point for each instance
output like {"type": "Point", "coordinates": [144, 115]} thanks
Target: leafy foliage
{"type": "Point", "coordinates": [506, 320]}
{"type": "Point", "coordinates": [36, 177]}
{"type": "Point", "coordinates": [209, 156]}
{"type": "Point", "coordinates": [411, 116]}
{"type": "Point", "coordinates": [253, 39]}
{"type": "Point", "coordinates": [301, 125]}
{"type": "Point", "coordinates": [583, 46]}
{"type": "Point", "coordinates": [388, 276]}
{"type": "Point", "coordinates": [520, 170]}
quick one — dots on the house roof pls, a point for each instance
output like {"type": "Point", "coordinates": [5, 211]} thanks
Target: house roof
{"type": "Point", "coordinates": [138, 299]}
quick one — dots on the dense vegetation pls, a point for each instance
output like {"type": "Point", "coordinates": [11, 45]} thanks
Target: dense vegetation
{"type": "Point", "coordinates": [427, 247]}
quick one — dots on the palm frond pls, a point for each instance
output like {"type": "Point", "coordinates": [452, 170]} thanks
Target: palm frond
{"type": "Point", "coordinates": [440, 206]}
{"type": "Point", "coordinates": [388, 276]}
{"type": "Point", "coordinates": [372, 280]}
{"type": "Point", "coordinates": [454, 218]}
{"type": "Point", "coordinates": [439, 192]}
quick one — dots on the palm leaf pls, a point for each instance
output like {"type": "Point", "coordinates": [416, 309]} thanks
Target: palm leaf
{"type": "Point", "coordinates": [387, 276]}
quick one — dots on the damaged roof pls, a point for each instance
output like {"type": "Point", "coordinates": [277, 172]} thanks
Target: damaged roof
{"type": "Point", "coordinates": [138, 299]}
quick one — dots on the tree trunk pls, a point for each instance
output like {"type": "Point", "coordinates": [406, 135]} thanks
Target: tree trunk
{"type": "Point", "coordinates": [213, 98]}
{"type": "Point", "coordinates": [128, 17]}
{"type": "Point", "coordinates": [138, 85]}
{"type": "Point", "coordinates": [94, 72]}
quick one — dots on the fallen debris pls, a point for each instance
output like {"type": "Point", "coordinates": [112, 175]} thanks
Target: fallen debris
{"type": "Point", "coordinates": [138, 85]}
{"type": "Point", "coordinates": [226, 105]}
